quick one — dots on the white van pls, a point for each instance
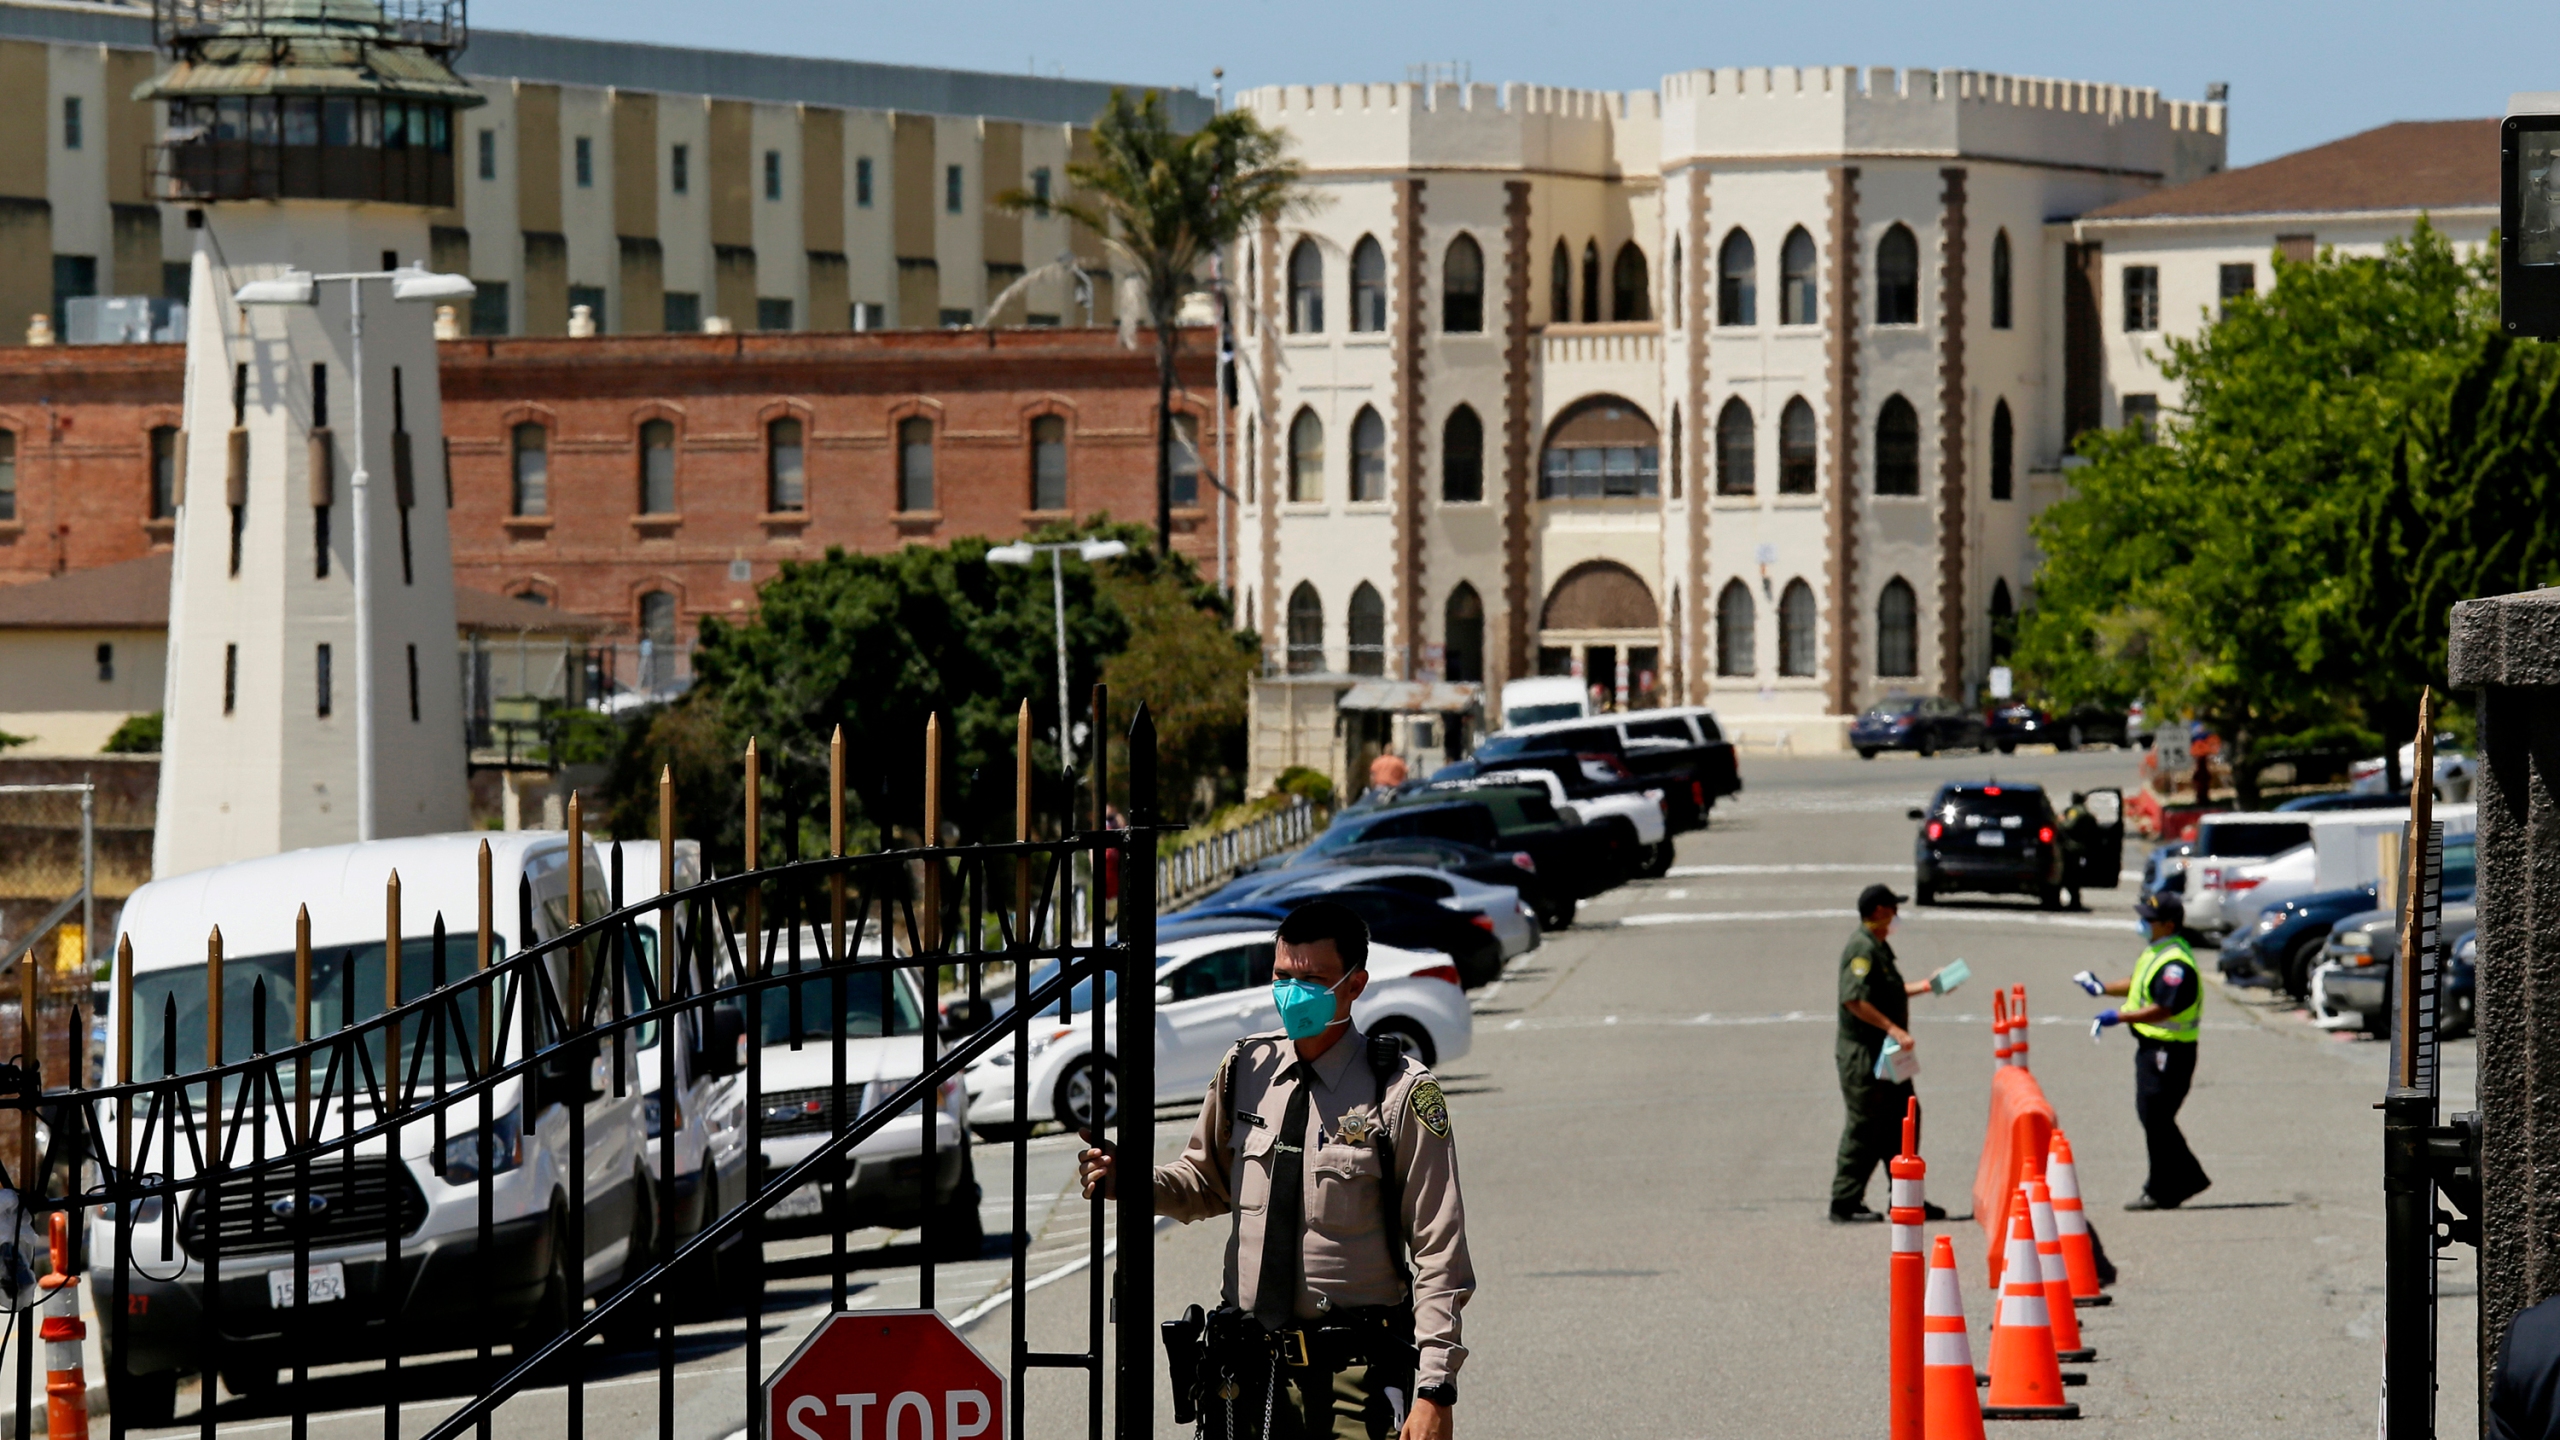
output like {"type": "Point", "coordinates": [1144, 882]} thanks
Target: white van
{"type": "Point", "coordinates": [1542, 699]}
{"type": "Point", "coordinates": [525, 1288]}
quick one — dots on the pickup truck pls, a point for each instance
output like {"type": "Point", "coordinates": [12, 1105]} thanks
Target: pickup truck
{"type": "Point", "coordinates": [1680, 750]}
{"type": "Point", "coordinates": [1636, 810]}
{"type": "Point", "coordinates": [1573, 860]}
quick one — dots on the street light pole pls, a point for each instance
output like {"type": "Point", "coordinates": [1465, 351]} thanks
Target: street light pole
{"type": "Point", "coordinates": [1092, 552]}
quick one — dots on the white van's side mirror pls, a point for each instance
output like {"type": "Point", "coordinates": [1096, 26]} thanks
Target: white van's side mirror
{"type": "Point", "coordinates": [1164, 994]}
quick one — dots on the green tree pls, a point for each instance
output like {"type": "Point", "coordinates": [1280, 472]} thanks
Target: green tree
{"type": "Point", "coordinates": [1194, 670]}
{"type": "Point", "coordinates": [1163, 202]}
{"type": "Point", "coordinates": [138, 735]}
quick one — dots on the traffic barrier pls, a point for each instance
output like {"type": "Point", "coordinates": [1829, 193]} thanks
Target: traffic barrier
{"type": "Point", "coordinates": [1953, 1412]}
{"type": "Point", "coordinates": [2079, 1253]}
{"type": "Point", "coordinates": [2060, 1312]}
{"type": "Point", "coordinates": [66, 1387]}
{"type": "Point", "coordinates": [2018, 1026]}
{"type": "Point", "coordinates": [2013, 1146]}
{"type": "Point", "coordinates": [1905, 1350]}
{"type": "Point", "coordinates": [2000, 1028]}
{"type": "Point", "coordinates": [2026, 1378]}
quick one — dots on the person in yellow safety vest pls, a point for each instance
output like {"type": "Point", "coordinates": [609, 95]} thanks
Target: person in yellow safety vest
{"type": "Point", "coordinates": [2166, 1001]}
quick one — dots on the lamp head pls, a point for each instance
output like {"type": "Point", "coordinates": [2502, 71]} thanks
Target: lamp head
{"type": "Point", "coordinates": [1010, 555]}
{"type": "Point", "coordinates": [411, 282]}
{"type": "Point", "coordinates": [1094, 552]}
{"type": "Point", "coordinates": [293, 287]}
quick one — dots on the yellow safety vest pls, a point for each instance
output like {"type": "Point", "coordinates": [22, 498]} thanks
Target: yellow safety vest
{"type": "Point", "coordinates": [2181, 1026]}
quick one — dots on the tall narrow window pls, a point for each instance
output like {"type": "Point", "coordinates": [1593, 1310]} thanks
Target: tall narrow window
{"type": "Point", "coordinates": [1898, 277]}
{"type": "Point", "coordinates": [1630, 285]}
{"type": "Point", "coordinates": [532, 495]}
{"type": "Point", "coordinates": [1368, 456]}
{"type": "Point", "coordinates": [2141, 297]}
{"type": "Point", "coordinates": [321, 673]}
{"type": "Point", "coordinates": [1675, 280]}
{"type": "Point", "coordinates": [657, 467]}
{"type": "Point", "coordinates": [1677, 457]}
{"type": "Point", "coordinates": [1049, 463]}
{"type": "Point", "coordinates": [2004, 621]}
{"type": "Point", "coordinates": [1462, 457]}
{"type": "Point", "coordinates": [1040, 190]}
{"type": "Point", "coordinates": [164, 471]}
{"type": "Point", "coordinates": [1798, 455]}
{"type": "Point", "coordinates": [2001, 279]}
{"type": "Point", "coordinates": [1897, 629]}
{"type": "Point", "coordinates": [1737, 280]}
{"type": "Point", "coordinates": [1737, 464]}
{"type": "Point", "coordinates": [786, 460]}
{"type": "Point", "coordinates": [773, 175]}
{"type": "Point", "coordinates": [1897, 448]}
{"type": "Point", "coordinates": [1306, 458]}
{"type": "Point", "coordinates": [862, 182]}
{"type": "Point", "coordinates": [2004, 451]}
{"type": "Point", "coordinates": [1737, 630]}
{"type": "Point", "coordinates": [413, 684]}
{"type": "Point", "coordinates": [915, 464]}
{"type": "Point", "coordinates": [1306, 289]}
{"type": "Point", "coordinates": [1252, 469]}
{"type": "Point", "coordinates": [230, 678]}
{"type": "Point", "coordinates": [1368, 631]}
{"type": "Point", "coordinates": [106, 662]}
{"type": "Point", "coordinates": [71, 127]}
{"type": "Point", "coordinates": [1560, 287]}
{"type": "Point", "coordinates": [1462, 287]}
{"type": "Point", "coordinates": [1795, 630]}
{"type": "Point", "coordinates": [952, 182]}
{"type": "Point", "coordinates": [1799, 289]}
{"type": "Point", "coordinates": [680, 168]}
{"type": "Point", "coordinates": [1183, 484]}
{"type": "Point", "coordinates": [584, 162]}
{"type": "Point", "coordinates": [489, 154]}
{"type": "Point", "coordinates": [1462, 650]}
{"type": "Point", "coordinates": [1590, 282]}
{"type": "Point", "coordinates": [1368, 286]}
{"type": "Point", "coordinates": [1306, 630]}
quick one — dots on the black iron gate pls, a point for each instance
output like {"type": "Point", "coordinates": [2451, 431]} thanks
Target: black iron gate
{"type": "Point", "coordinates": [420, 1177]}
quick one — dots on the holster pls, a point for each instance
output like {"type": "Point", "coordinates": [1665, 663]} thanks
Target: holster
{"type": "Point", "coordinates": [1184, 1350]}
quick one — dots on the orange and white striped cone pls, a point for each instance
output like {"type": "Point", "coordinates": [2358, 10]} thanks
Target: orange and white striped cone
{"type": "Point", "coordinates": [1954, 1411]}
{"type": "Point", "coordinates": [1905, 1351]}
{"type": "Point", "coordinates": [2059, 1311]}
{"type": "Point", "coordinates": [2079, 1253]}
{"type": "Point", "coordinates": [66, 1386]}
{"type": "Point", "coordinates": [2018, 1026]}
{"type": "Point", "coordinates": [1999, 1028]}
{"type": "Point", "coordinates": [2026, 1379]}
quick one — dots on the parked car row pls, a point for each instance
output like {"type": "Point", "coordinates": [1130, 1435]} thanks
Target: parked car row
{"type": "Point", "coordinates": [1928, 725]}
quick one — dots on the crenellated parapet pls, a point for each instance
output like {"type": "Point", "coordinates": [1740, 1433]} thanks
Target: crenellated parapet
{"type": "Point", "coordinates": [1600, 133]}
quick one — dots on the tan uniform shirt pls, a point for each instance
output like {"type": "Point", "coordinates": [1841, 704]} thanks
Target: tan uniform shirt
{"type": "Point", "coordinates": [1227, 1166]}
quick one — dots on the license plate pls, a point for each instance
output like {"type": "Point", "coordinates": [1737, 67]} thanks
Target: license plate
{"type": "Point", "coordinates": [805, 1201]}
{"type": "Point", "coordinates": [326, 1282]}
{"type": "Point", "coordinates": [1989, 837]}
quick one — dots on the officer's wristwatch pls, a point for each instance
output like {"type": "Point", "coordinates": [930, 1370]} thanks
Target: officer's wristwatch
{"type": "Point", "coordinates": [1444, 1393]}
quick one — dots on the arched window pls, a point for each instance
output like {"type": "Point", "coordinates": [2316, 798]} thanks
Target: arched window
{"type": "Point", "coordinates": [1183, 483]}
{"type": "Point", "coordinates": [2004, 451]}
{"type": "Point", "coordinates": [1897, 629]}
{"type": "Point", "coordinates": [1306, 631]}
{"type": "Point", "coordinates": [915, 463]}
{"type": "Point", "coordinates": [1462, 457]}
{"type": "Point", "coordinates": [1675, 459]}
{"type": "Point", "coordinates": [1799, 292]}
{"type": "Point", "coordinates": [1796, 642]}
{"type": "Point", "coordinates": [1737, 630]}
{"type": "Point", "coordinates": [1630, 285]}
{"type": "Point", "coordinates": [1368, 631]}
{"type": "Point", "coordinates": [1462, 653]}
{"type": "Point", "coordinates": [2004, 621]}
{"type": "Point", "coordinates": [1253, 303]}
{"type": "Point", "coordinates": [1252, 468]}
{"type": "Point", "coordinates": [657, 641]}
{"type": "Point", "coordinates": [2000, 279]}
{"type": "Point", "coordinates": [532, 473]}
{"type": "Point", "coordinates": [1049, 463]}
{"type": "Point", "coordinates": [1368, 456]}
{"type": "Point", "coordinates": [164, 471]}
{"type": "Point", "coordinates": [1560, 287]}
{"type": "Point", "coordinates": [1897, 448]}
{"type": "Point", "coordinates": [1898, 277]}
{"type": "Point", "coordinates": [1798, 438]}
{"type": "Point", "coordinates": [1738, 280]}
{"type": "Point", "coordinates": [1306, 457]}
{"type": "Point", "coordinates": [1590, 282]}
{"type": "Point", "coordinates": [1462, 287]}
{"type": "Point", "coordinates": [1736, 465]}
{"type": "Point", "coordinates": [1600, 447]}
{"type": "Point", "coordinates": [1306, 289]}
{"type": "Point", "coordinates": [1368, 286]}
{"type": "Point", "coordinates": [657, 467]}
{"type": "Point", "coordinates": [785, 467]}
{"type": "Point", "coordinates": [1674, 287]}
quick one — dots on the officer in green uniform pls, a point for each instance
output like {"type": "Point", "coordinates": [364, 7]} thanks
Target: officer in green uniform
{"type": "Point", "coordinates": [2165, 1003]}
{"type": "Point", "coordinates": [1875, 1006]}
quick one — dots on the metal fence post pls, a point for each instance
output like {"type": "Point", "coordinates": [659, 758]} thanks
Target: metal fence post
{"type": "Point", "coordinates": [1134, 1295]}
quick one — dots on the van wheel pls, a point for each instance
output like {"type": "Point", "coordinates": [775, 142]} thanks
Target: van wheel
{"type": "Point", "coordinates": [1657, 861]}
{"type": "Point", "coordinates": [558, 1305]}
{"type": "Point", "coordinates": [1072, 1105]}
{"type": "Point", "coordinates": [1866, 752]}
{"type": "Point", "coordinates": [1926, 748]}
{"type": "Point", "coordinates": [1410, 1038]}
{"type": "Point", "coordinates": [1559, 913]}
{"type": "Point", "coordinates": [2296, 977]}
{"type": "Point", "coordinates": [249, 1379]}
{"type": "Point", "coordinates": [139, 1401]}
{"type": "Point", "coordinates": [1924, 894]}
{"type": "Point", "coordinates": [2008, 747]}
{"type": "Point", "coordinates": [2072, 739]}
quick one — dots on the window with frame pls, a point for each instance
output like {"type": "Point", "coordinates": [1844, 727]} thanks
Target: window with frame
{"type": "Point", "coordinates": [1675, 282]}
{"type": "Point", "coordinates": [2004, 452]}
{"type": "Point", "coordinates": [2004, 622]}
{"type": "Point", "coordinates": [1306, 458]}
{"type": "Point", "coordinates": [1368, 631]}
{"type": "Point", "coordinates": [325, 697]}
{"type": "Point", "coordinates": [1630, 285]}
{"type": "Point", "coordinates": [1799, 448]}
{"type": "Point", "coordinates": [862, 182]}
{"type": "Point", "coordinates": [2001, 278]}
{"type": "Point", "coordinates": [1796, 637]}
{"type": "Point", "coordinates": [1368, 286]}
{"type": "Point", "coordinates": [488, 154]}
{"type": "Point", "coordinates": [657, 467]}
{"type": "Point", "coordinates": [1183, 484]}
{"type": "Point", "coordinates": [1462, 457]}
{"type": "Point", "coordinates": [1898, 277]}
{"type": "Point", "coordinates": [953, 180]}
{"type": "Point", "coordinates": [680, 169]}
{"type": "Point", "coordinates": [682, 312]}
{"type": "Point", "coordinates": [1675, 456]}
{"type": "Point", "coordinates": [1799, 288]}
{"type": "Point", "coordinates": [1737, 630]}
{"type": "Point", "coordinates": [164, 471]}
{"type": "Point", "coordinates": [1040, 189]}
{"type": "Point", "coordinates": [1737, 463]}
{"type": "Point", "coordinates": [1560, 286]}
{"type": "Point", "coordinates": [786, 472]}
{"type": "Point", "coordinates": [773, 174]}
{"type": "Point", "coordinates": [1897, 629]}
{"type": "Point", "coordinates": [1603, 448]}
{"type": "Point", "coordinates": [2141, 298]}
{"type": "Point", "coordinates": [915, 464]}
{"type": "Point", "coordinates": [1306, 630]}
{"type": "Point", "coordinates": [1897, 448]}
{"type": "Point", "coordinates": [71, 127]}
{"type": "Point", "coordinates": [2237, 280]}
{"type": "Point", "coordinates": [1590, 282]}
{"type": "Point", "coordinates": [531, 446]}
{"type": "Point", "coordinates": [2142, 416]}
{"type": "Point", "coordinates": [584, 162]}
{"type": "Point", "coordinates": [1462, 630]}
{"type": "Point", "coordinates": [1049, 463]}
{"type": "Point", "coordinates": [1462, 287]}
{"type": "Point", "coordinates": [1306, 289]}
{"type": "Point", "coordinates": [1368, 456]}
{"type": "Point", "coordinates": [1737, 280]}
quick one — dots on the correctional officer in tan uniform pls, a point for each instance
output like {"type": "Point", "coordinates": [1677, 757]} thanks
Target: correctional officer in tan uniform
{"type": "Point", "coordinates": [1333, 1166]}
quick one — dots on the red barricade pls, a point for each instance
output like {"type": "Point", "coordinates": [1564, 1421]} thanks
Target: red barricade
{"type": "Point", "coordinates": [2013, 1146]}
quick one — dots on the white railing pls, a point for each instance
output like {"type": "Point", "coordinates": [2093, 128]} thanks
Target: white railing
{"type": "Point", "coordinates": [1213, 860]}
{"type": "Point", "coordinates": [1610, 344]}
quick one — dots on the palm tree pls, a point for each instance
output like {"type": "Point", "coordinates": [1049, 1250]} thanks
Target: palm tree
{"type": "Point", "coordinates": [1164, 202]}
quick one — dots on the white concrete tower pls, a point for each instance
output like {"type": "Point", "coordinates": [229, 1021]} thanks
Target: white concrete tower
{"type": "Point", "coordinates": [315, 137]}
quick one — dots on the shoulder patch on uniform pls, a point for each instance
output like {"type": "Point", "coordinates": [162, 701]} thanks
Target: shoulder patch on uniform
{"type": "Point", "coordinates": [1858, 966]}
{"type": "Point", "coordinates": [2172, 973]}
{"type": "Point", "coordinates": [1431, 1108]}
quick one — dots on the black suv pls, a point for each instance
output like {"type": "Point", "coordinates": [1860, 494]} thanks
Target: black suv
{"type": "Point", "coordinates": [2001, 839]}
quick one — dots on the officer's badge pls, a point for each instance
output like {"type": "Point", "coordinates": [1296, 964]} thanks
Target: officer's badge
{"type": "Point", "coordinates": [1431, 1108]}
{"type": "Point", "coordinates": [1357, 1127]}
{"type": "Point", "coordinates": [1858, 966]}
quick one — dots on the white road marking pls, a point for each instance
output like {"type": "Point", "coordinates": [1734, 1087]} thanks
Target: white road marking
{"type": "Point", "coordinates": [995, 1302]}
{"type": "Point", "coordinates": [1678, 871]}
{"type": "Point", "coordinates": [1923, 917]}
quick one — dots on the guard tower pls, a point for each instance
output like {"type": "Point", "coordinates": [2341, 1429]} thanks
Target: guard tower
{"type": "Point", "coordinates": [314, 695]}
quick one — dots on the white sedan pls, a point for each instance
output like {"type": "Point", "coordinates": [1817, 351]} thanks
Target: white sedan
{"type": "Point", "coordinates": [1211, 991]}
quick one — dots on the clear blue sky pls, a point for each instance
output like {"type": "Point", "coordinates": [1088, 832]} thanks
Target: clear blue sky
{"type": "Point", "coordinates": [2300, 73]}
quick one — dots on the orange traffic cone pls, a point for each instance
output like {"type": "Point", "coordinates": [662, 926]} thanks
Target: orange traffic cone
{"type": "Point", "coordinates": [2018, 1026]}
{"type": "Point", "coordinates": [66, 1388]}
{"type": "Point", "coordinates": [2026, 1380]}
{"type": "Point", "coordinates": [2079, 1254]}
{"type": "Point", "coordinates": [1909, 1281]}
{"type": "Point", "coordinates": [2059, 1310]}
{"type": "Point", "coordinates": [1999, 1028]}
{"type": "Point", "coordinates": [1954, 1411]}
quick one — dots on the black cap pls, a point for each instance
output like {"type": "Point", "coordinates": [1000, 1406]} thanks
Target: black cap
{"type": "Point", "coordinates": [1876, 897]}
{"type": "Point", "coordinates": [2160, 905]}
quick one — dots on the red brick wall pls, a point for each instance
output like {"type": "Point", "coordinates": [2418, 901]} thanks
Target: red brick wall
{"type": "Point", "coordinates": [83, 418]}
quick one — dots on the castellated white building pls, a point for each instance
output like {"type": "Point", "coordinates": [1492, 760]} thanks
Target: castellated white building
{"type": "Point", "coordinates": [1740, 392]}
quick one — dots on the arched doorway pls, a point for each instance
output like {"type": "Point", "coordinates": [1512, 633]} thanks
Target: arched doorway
{"type": "Point", "coordinates": [1600, 623]}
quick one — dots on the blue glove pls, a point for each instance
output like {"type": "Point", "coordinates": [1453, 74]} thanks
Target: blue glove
{"type": "Point", "coordinates": [2088, 980]}
{"type": "Point", "coordinates": [2105, 1018]}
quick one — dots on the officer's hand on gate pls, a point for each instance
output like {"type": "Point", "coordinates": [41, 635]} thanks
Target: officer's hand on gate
{"type": "Point", "coordinates": [1097, 1169]}
{"type": "Point", "coordinates": [2089, 981]}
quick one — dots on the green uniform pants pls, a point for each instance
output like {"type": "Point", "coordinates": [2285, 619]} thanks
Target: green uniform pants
{"type": "Point", "coordinates": [1872, 1133]}
{"type": "Point", "coordinates": [1349, 1404]}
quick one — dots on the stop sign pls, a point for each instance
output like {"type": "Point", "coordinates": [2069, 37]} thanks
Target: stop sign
{"type": "Point", "coordinates": [886, 1375]}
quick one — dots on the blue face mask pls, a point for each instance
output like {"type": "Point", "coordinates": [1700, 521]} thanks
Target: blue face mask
{"type": "Point", "coordinates": [1306, 1007]}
